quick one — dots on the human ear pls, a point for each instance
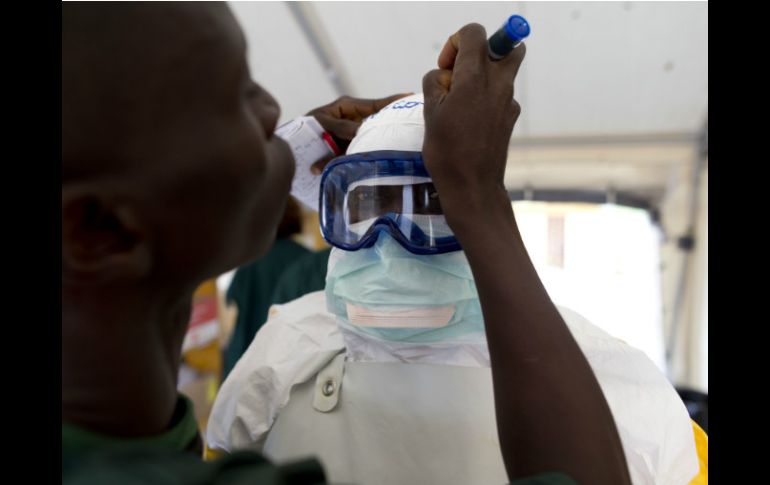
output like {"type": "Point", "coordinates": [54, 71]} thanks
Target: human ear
{"type": "Point", "coordinates": [103, 240]}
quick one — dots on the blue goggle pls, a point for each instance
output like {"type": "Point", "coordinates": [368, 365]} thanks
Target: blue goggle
{"type": "Point", "coordinates": [383, 191]}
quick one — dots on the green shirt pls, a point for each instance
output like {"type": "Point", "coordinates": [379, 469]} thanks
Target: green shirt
{"type": "Point", "coordinates": [306, 275]}
{"type": "Point", "coordinates": [170, 458]}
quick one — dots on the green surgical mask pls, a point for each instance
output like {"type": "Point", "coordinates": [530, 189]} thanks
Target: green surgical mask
{"type": "Point", "coordinates": [394, 295]}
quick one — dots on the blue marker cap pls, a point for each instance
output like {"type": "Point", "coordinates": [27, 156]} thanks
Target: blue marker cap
{"type": "Point", "coordinates": [517, 28]}
{"type": "Point", "coordinates": [508, 37]}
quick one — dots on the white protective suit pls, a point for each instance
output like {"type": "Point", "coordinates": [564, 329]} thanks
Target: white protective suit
{"type": "Point", "coordinates": [378, 412]}
{"type": "Point", "coordinates": [417, 423]}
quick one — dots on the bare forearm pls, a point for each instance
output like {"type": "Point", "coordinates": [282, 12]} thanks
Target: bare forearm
{"type": "Point", "coordinates": [551, 412]}
{"type": "Point", "coordinates": [541, 378]}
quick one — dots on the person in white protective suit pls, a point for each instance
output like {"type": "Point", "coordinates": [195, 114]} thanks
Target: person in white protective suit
{"type": "Point", "coordinates": [385, 376]}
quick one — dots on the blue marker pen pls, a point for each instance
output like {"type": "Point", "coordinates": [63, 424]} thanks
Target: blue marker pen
{"type": "Point", "coordinates": [508, 37]}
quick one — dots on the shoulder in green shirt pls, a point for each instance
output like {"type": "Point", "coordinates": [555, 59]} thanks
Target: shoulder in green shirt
{"type": "Point", "coordinates": [170, 458]}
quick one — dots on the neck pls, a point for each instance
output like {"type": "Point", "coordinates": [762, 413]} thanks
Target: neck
{"type": "Point", "coordinates": [121, 351]}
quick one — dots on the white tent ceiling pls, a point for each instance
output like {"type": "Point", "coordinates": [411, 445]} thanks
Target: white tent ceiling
{"type": "Point", "coordinates": [613, 94]}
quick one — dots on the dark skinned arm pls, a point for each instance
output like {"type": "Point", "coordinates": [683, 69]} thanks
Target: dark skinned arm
{"type": "Point", "coordinates": [342, 118]}
{"type": "Point", "coordinates": [551, 413]}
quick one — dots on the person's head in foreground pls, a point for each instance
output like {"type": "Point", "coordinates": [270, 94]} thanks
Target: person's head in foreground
{"type": "Point", "coordinates": [170, 175]}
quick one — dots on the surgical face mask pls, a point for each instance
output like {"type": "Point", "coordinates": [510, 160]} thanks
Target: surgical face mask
{"type": "Point", "coordinates": [391, 294]}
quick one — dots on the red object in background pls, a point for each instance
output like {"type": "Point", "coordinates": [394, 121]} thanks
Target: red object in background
{"type": "Point", "coordinates": [204, 310]}
{"type": "Point", "coordinates": [204, 324]}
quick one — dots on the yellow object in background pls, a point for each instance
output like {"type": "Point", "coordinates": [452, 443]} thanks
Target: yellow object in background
{"type": "Point", "coordinates": [203, 327]}
{"type": "Point", "coordinates": [205, 359]}
{"type": "Point", "coordinates": [702, 446]}
{"type": "Point", "coordinates": [211, 454]}
{"type": "Point", "coordinates": [201, 368]}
